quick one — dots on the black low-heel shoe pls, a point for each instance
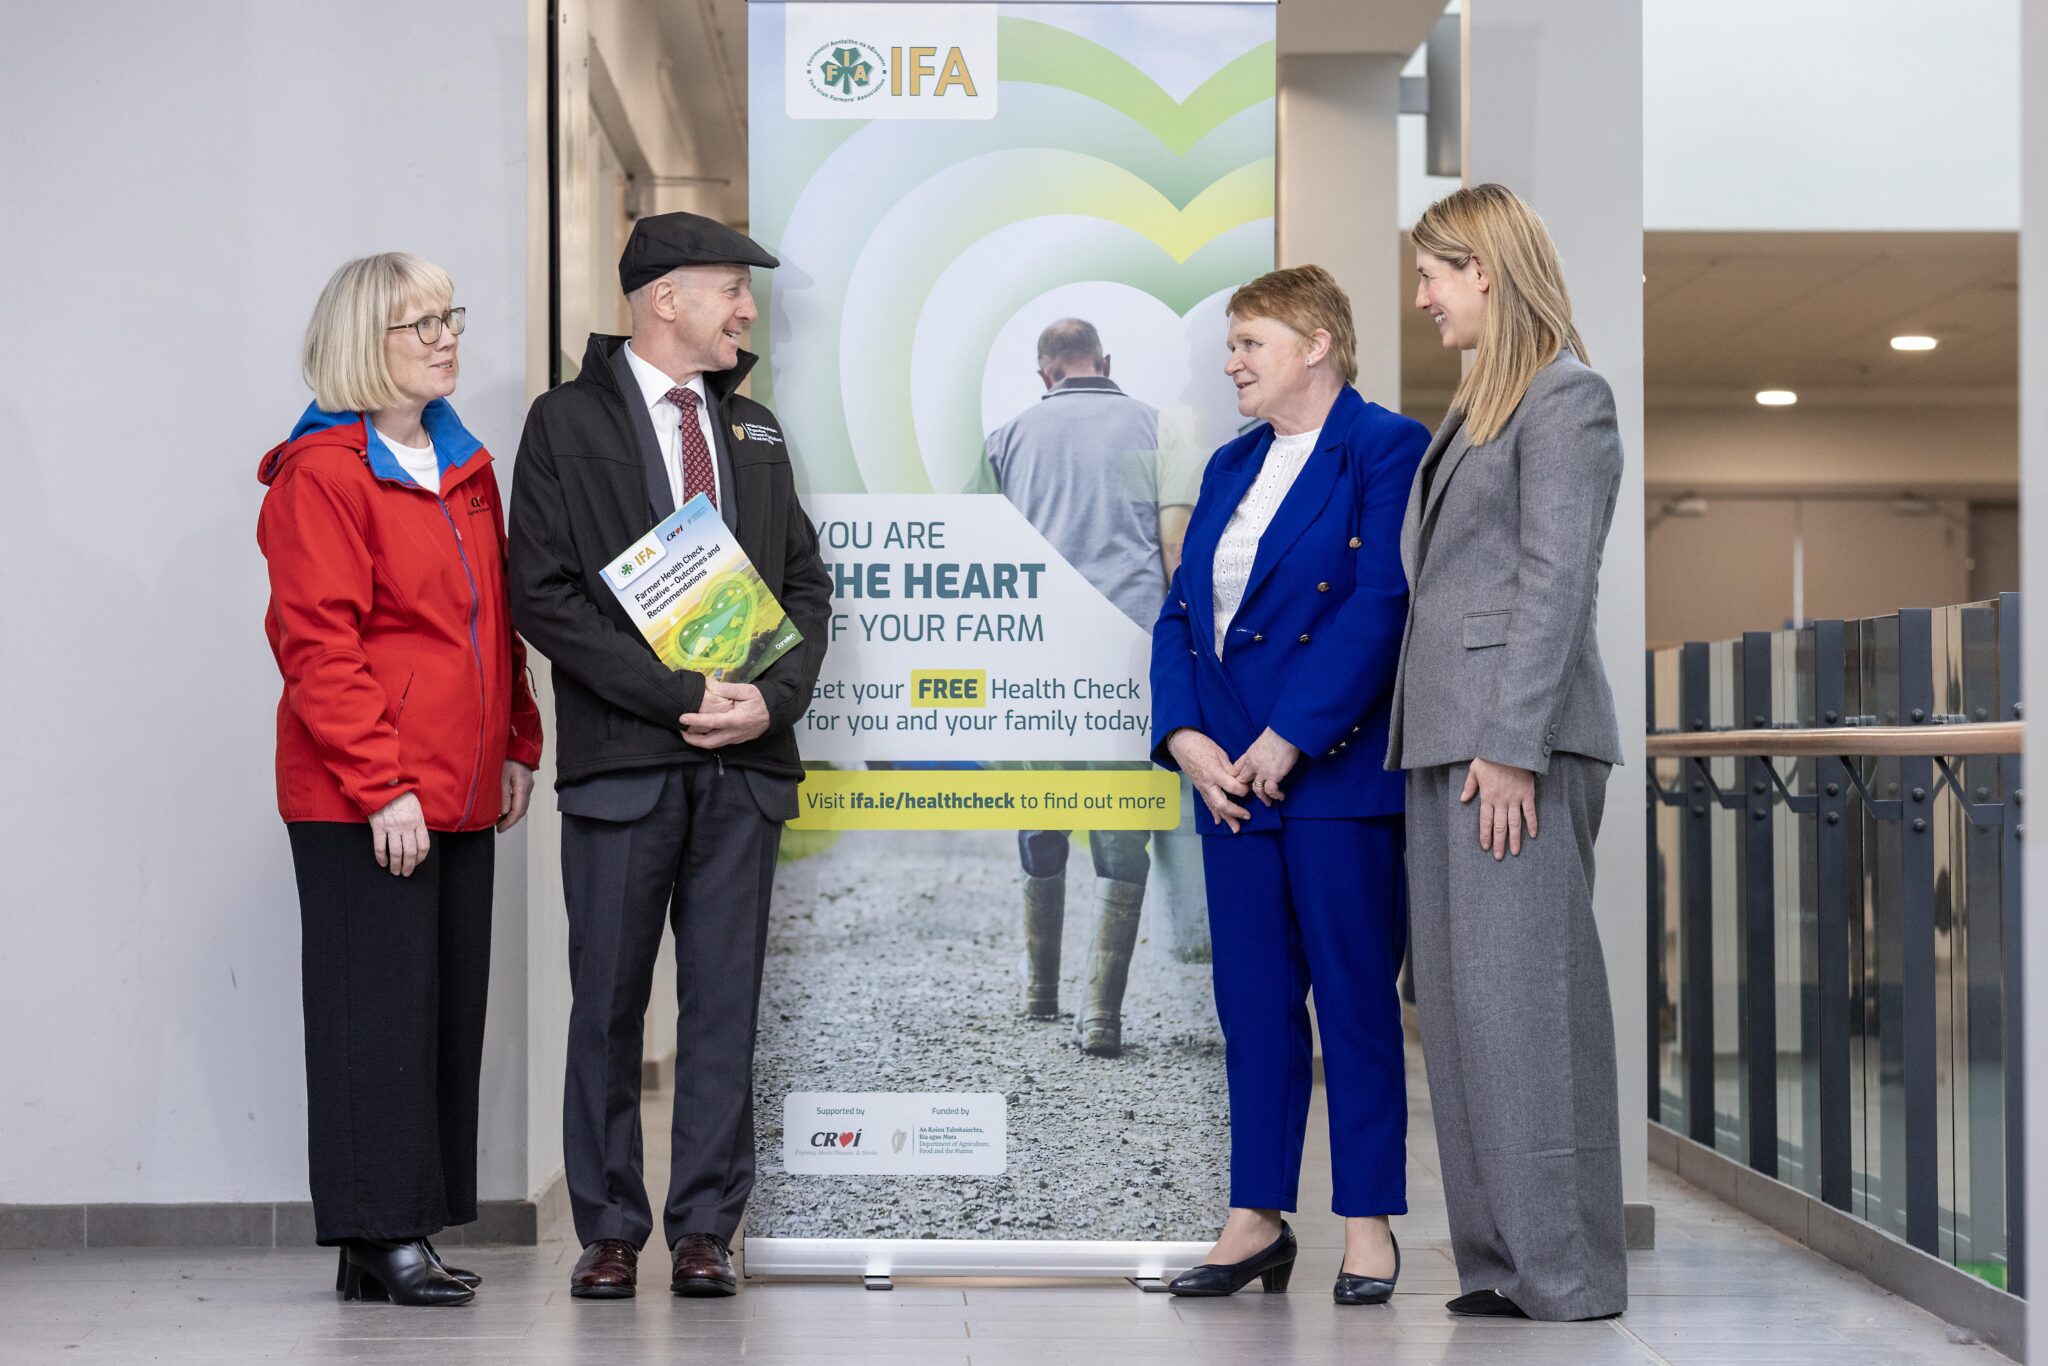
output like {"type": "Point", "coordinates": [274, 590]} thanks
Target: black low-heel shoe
{"type": "Point", "coordinates": [468, 1278]}
{"type": "Point", "coordinates": [402, 1273]}
{"type": "Point", "coordinates": [1270, 1268]}
{"type": "Point", "coordinates": [1352, 1289]}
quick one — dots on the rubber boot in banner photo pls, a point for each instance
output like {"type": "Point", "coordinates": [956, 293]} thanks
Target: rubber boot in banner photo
{"type": "Point", "coordinates": [1045, 915]}
{"type": "Point", "coordinates": [1099, 1026]}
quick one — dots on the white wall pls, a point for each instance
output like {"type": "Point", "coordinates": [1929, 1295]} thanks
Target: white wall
{"type": "Point", "coordinates": [1553, 92]}
{"type": "Point", "coordinates": [180, 181]}
{"type": "Point", "coordinates": [1336, 193]}
{"type": "Point", "coordinates": [1812, 114]}
{"type": "Point", "coordinates": [1891, 114]}
{"type": "Point", "coordinates": [2034, 568]}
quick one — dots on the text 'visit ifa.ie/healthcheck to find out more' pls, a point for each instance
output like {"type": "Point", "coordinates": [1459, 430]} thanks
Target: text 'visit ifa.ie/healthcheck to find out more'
{"type": "Point", "coordinates": [914, 611]}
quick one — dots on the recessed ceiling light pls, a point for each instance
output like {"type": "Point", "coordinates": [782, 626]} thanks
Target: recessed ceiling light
{"type": "Point", "coordinates": [1914, 343]}
{"type": "Point", "coordinates": [1777, 398]}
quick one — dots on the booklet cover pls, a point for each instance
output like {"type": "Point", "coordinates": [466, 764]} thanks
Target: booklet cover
{"type": "Point", "coordinates": [698, 599]}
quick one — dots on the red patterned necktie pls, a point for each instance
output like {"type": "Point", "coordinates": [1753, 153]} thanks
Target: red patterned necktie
{"type": "Point", "coordinates": [697, 467]}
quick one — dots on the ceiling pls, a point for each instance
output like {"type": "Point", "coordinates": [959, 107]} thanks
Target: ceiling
{"type": "Point", "coordinates": [1728, 313]}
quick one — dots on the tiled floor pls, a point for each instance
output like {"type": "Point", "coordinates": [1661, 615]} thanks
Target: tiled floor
{"type": "Point", "coordinates": [1719, 1288]}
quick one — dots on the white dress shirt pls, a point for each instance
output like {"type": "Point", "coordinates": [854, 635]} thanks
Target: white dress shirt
{"type": "Point", "coordinates": [668, 423]}
{"type": "Point", "coordinates": [1238, 548]}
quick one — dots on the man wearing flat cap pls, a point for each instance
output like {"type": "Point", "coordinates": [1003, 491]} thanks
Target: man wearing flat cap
{"type": "Point", "coordinates": [673, 787]}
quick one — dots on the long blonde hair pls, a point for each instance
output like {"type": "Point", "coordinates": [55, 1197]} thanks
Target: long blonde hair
{"type": "Point", "coordinates": [1528, 312]}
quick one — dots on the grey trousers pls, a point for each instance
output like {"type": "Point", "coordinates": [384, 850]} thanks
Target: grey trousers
{"type": "Point", "coordinates": [1518, 1038]}
{"type": "Point", "coordinates": [700, 858]}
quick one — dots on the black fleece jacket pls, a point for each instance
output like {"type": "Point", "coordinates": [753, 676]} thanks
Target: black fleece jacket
{"type": "Point", "coordinates": [579, 496]}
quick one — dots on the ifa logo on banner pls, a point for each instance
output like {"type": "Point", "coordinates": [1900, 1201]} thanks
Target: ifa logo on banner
{"type": "Point", "coordinates": [890, 61]}
{"type": "Point", "coordinates": [843, 1139]}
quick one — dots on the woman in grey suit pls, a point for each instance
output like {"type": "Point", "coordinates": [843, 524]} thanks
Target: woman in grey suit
{"type": "Point", "coordinates": [1501, 705]}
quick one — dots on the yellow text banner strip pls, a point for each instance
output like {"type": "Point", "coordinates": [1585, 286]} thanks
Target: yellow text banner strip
{"type": "Point", "coordinates": [975, 799]}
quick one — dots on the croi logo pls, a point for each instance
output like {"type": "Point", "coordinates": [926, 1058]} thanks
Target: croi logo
{"type": "Point", "coordinates": [849, 1139]}
{"type": "Point", "coordinates": [845, 70]}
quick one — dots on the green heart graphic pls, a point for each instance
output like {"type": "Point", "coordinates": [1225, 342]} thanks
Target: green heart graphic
{"type": "Point", "coordinates": [716, 635]}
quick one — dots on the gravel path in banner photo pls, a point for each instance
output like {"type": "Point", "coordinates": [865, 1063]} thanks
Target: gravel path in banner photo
{"type": "Point", "coordinates": [894, 964]}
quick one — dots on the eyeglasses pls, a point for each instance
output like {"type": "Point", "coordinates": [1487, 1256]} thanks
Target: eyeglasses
{"type": "Point", "coordinates": [430, 326]}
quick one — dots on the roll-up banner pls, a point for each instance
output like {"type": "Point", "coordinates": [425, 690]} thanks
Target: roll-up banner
{"type": "Point", "coordinates": [988, 1043]}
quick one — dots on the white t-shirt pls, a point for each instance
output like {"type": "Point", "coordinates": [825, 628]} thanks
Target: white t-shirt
{"type": "Point", "coordinates": [1239, 546]}
{"type": "Point", "coordinates": [420, 462]}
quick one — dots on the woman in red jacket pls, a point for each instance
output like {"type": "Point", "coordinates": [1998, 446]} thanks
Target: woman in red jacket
{"type": "Point", "coordinates": [406, 737]}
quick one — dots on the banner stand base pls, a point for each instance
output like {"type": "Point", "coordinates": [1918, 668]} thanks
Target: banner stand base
{"type": "Point", "coordinates": [885, 1259]}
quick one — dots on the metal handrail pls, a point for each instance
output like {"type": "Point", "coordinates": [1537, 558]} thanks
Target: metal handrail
{"type": "Point", "coordinates": [1926, 742]}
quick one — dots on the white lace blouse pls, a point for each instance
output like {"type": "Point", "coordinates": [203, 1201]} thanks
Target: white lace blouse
{"type": "Point", "coordinates": [1239, 545]}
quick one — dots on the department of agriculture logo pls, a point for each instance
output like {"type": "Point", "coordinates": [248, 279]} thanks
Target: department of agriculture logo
{"type": "Point", "coordinates": [846, 70]}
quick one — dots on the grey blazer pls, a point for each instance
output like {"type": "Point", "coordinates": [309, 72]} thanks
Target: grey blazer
{"type": "Point", "coordinates": [1500, 659]}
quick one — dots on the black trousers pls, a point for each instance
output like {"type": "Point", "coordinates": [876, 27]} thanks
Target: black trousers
{"type": "Point", "coordinates": [395, 972]}
{"type": "Point", "coordinates": [701, 860]}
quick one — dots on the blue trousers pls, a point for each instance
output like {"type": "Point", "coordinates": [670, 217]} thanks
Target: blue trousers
{"type": "Point", "coordinates": [1315, 903]}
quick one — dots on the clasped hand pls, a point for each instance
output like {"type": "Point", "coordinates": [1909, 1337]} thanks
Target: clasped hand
{"type": "Point", "coordinates": [730, 714]}
{"type": "Point", "coordinates": [1258, 772]}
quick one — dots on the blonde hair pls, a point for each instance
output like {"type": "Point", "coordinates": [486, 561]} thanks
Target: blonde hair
{"type": "Point", "coordinates": [344, 355]}
{"type": "Point", "coordinates": [1528, 311]}
{"type": "Point", "coordinates": [1305, 298]}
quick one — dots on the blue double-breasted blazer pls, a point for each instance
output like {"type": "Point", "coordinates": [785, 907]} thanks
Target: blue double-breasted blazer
{"type": "Point", "coordinates": [1312, 649]}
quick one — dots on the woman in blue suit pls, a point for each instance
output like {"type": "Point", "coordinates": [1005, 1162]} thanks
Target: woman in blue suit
{"type": "Point", "coordinates": [1272, 672]}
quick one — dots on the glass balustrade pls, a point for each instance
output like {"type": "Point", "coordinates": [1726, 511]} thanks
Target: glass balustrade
{"type": "Point", "coordinates": [1829, 935]}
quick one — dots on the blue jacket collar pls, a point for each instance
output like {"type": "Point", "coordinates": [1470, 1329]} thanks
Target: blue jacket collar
{"type": "Point", "coordinates": [453, 444]}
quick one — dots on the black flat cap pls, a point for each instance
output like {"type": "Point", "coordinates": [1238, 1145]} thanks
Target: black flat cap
{"type": "Point", "coordinates": [663, 241]}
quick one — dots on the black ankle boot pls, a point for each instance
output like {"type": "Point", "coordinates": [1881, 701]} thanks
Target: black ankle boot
{"type": "Point", "coordinates": [1271, 1267]}
{"type": "Point", "coordinates": [403, 1273]}
{"type": "Point", "coordinates": [468, 1278]}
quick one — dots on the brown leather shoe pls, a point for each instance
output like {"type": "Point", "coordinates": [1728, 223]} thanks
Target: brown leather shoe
{"type": "Point", "coordinates": [702, 1266]}
{"type": "Point", "coordinates": [606, 1271]}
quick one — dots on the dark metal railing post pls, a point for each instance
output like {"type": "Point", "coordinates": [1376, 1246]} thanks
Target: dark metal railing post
{"type": "Point", "coordinates": [1696, 907]}
{"type": "Point", "coordinates": [1977, 916]}
{"type": "Point", "coordinates": [1917, 965]}
{"type": "Point", "coordinates": [1833, 894]}
{"type": "Point", "coordinates": [2011, 866]}
{"type": "Point", "coordinates": [1759, 974]}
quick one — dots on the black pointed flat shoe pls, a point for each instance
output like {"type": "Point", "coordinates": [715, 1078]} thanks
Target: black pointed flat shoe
{"type": "Point", "coordinates": [1271, 1268]}
{"type": "Point", "coordinates": [1351, 1289]}
{"type": "Point", "coordinates": [1485, 1304]}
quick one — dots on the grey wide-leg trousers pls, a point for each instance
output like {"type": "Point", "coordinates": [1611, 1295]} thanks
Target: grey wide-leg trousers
{"type": "Point", "coordinates": [1518, 1038]}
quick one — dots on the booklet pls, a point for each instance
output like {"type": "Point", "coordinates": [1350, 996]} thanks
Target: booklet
{"type": "Point", "coordinates": [698, 599]}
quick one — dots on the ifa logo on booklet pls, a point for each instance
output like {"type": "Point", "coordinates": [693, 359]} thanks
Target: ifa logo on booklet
{"type": "Point", "coordinates": [929, 1133]}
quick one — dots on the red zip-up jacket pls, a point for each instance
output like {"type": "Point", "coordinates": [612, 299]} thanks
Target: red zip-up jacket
{"type": "Point", "coordinates": [389, 622]}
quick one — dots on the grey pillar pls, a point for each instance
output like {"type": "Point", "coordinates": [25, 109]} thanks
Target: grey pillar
{"type": "Point", "coordinates": [1554, 110]}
